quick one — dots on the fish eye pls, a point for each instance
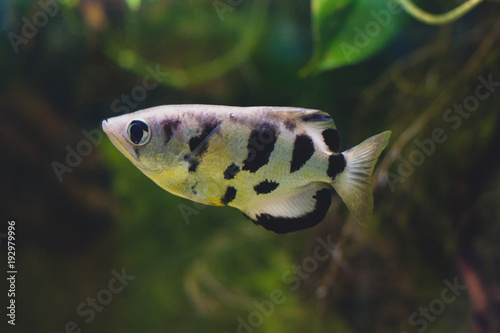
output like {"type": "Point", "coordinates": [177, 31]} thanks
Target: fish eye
{"type": "Point", "coordinates": [138, 132]}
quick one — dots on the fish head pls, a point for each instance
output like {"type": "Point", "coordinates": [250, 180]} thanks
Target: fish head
{"type": "Point", "coordinates": [148, 139]}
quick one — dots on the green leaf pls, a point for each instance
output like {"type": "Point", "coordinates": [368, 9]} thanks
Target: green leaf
{"type": "Point", "coordinates": [133, 4]}
{"type": "Point", "coordinates": [349, 31]}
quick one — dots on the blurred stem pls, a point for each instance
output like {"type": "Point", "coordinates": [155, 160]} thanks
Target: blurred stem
{"type": "Point", "coordinates": [441, 103]}
{"type": "Point", "coordinates": [439, 19]}
{"type": "Point", "coordinates": [182, 78]}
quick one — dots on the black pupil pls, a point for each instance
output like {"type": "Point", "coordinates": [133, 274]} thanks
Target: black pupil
{"type": "Point", "coordinates": [137, 129]}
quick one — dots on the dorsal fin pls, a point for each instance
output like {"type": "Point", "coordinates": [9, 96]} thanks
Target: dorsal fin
{"type": "Point", "coordinates": [317, 124]}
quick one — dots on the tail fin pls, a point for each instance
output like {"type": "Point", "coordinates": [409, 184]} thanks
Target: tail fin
{"type": "Point", "coordinates": [354, 184]}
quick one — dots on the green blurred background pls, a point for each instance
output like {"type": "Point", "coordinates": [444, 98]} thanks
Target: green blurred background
{"type": "Point", "coordinates": [68, 64]}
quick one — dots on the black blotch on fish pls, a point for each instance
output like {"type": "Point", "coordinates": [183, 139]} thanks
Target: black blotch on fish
{"type": "Point", "coordinates": [332, 139]}
{"type": "Point", "coordinates": [303, 149]}
{"type": "Point", "coordinates": [265, 187]}
{"type": "Point", "coordinates": [136, 151]}
{"type": "Point", "coordinates": [193, 189]}
{"type": "Point", "coordinates": [228, 196]}
{"type": "Point", "coordinates": [317, 117]}
{"type": "Point", "coordinates": [193, 162]}
{"type": "Point", "coordinates": [196, 141]}
{"type": "Point", "coordinates": [231, 171]}
{"type": "Point", "coordinates": [282, 225]}
{"type": "Point", "coordinates": [336, 165]}
{"type": "Point", "coordinates": [169, 126]}
{"type": "Point", "coordinates": [260, 146]}
{"type": "Point", "coordinates": [290, 124]}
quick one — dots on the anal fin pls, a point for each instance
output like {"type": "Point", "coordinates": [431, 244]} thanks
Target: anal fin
{"type": "Point", "coordinates": [301, 209]}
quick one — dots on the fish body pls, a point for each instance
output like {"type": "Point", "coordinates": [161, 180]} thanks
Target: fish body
{"type": "Point", "coordinates": [278, 165]}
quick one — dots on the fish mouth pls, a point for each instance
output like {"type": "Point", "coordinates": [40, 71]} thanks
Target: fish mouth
{"type": "Point", "coordinates": [119, 141]}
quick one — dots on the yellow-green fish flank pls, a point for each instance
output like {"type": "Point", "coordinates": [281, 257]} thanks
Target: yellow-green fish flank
{"type": "Point", "coordinates": [278, 165]}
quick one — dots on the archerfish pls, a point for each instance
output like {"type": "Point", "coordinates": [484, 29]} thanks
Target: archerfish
{"type": "Point", "coordinates": [277, 165]}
